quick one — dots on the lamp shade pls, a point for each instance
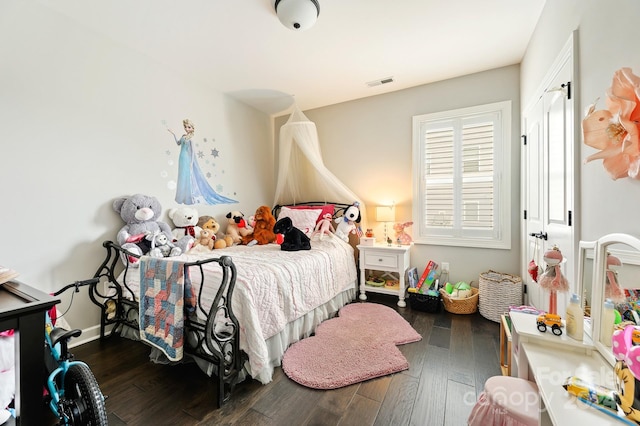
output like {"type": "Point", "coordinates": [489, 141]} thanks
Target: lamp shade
{"type": "Point", "coordinates": [297, 15]}
{"type": "Point", "coordinates": [385, 214]}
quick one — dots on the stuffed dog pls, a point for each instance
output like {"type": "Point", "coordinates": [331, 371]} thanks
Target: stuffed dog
{"type": "Point", "coordinates": [294, 239]}
{"type": "Point", "coordinates": [235, 223]}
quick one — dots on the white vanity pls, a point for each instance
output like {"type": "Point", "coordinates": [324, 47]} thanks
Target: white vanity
{"type": "Point", "coordinates": [548, 359]}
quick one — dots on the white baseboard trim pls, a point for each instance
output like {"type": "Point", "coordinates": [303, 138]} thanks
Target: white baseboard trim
{"type": "Point", "coordinates": [88, 335]}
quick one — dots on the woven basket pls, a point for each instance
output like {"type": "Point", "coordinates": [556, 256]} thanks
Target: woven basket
{"type": "Point", "coordinates": [498, 291]}
{"type": "Point", "coordinates": [460, 306]}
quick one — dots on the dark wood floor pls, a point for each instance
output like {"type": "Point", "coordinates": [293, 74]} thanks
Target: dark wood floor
{"type": "Point", "coordinates": [448, 368]}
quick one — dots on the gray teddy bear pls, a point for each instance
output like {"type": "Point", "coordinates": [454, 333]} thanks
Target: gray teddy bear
{"type": "Point", "coordinates": [141, 214]}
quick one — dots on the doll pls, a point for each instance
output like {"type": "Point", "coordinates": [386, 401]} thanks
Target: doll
{"type": "Point", "coordinates": [552, 278]}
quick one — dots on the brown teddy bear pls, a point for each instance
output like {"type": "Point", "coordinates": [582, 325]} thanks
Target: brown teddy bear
{"type": "Point", "coordinates": [205, 243]}
{"type": "Point", "coordinates": [208, 222]}
{"type": "Point", "coordinates": [263, 230]}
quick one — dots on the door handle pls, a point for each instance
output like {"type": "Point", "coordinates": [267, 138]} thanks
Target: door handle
{"type": "Point", "coordinates": [541, 235]}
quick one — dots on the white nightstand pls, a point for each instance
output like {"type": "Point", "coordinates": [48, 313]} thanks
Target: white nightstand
{"type": "Point", "coordinates": [381, 257]}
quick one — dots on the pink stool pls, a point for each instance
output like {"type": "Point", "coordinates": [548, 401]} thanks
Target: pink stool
{"type": "Point", "coordinates": [506, 401]}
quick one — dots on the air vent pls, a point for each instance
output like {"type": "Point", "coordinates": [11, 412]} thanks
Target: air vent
{"type": "Point", "coordinates": [380, 82]}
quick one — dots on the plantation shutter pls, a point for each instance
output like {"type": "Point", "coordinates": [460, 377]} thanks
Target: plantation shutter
{"type": "Point", "coordinates": [459, 176]}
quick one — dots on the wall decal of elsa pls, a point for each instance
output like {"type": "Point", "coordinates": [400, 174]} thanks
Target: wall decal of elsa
{"type": "Point", "coordinates": [192, 186]}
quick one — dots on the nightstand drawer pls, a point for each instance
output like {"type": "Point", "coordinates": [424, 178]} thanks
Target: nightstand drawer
{"type": "Point", "coordinates": [373, 260]}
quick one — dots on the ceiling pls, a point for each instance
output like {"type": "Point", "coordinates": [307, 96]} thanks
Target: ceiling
{"type": "Point", "coordinates": [238, 47]}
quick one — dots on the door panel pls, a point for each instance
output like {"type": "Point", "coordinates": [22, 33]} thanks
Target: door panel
{"type": "Point", "coordinates": [548, 181]}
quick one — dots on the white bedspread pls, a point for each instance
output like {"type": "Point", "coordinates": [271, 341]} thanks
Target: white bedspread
{"type": "Point", "coordinates": [274, 288]}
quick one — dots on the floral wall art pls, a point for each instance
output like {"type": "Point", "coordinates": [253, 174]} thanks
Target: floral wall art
{"type": "Point", "coordinates": [614, 131]}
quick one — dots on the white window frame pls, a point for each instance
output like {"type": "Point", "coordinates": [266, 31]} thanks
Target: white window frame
{"type": "Point", "coordinates": [500, 236]}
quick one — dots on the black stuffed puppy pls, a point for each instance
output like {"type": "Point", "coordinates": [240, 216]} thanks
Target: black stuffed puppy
{"type": "Point", "coordinates": [294, 239]}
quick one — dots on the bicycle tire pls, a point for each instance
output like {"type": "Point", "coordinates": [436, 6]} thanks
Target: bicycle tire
{"type": "Point", "coordinates": [81, 388]}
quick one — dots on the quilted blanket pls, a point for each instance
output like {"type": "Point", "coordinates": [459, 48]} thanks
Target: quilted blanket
{"type": "Point", "coordinates": [166, 296]}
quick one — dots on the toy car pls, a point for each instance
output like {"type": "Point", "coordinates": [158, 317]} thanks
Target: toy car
{"type": "Point", "coordinates": [550, 320]}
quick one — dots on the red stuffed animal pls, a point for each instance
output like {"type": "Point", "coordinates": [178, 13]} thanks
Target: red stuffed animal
{"type": "Point", "coordinates": [263, 230]}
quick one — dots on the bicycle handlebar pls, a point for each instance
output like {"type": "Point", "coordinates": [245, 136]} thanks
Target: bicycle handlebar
{"type": "Point", "coordinates": [77, 285]}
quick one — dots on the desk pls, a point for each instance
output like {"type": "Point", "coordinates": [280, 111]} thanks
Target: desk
{"type": "Point", "coordinates": [548, 360]}
{"type": "Point", "coordinates": [23, 308]}
{"type": "Point", "coordinates": [381, 257]}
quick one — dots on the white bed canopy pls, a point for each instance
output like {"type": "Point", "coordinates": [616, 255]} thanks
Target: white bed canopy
{"type": "Point", "coordinates": [302, 175]}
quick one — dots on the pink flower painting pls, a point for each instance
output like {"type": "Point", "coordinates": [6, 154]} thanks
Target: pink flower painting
{"type": "Point", "coordinates": [615, 131]}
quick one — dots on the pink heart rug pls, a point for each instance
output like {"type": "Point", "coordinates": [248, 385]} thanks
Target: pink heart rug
{"type": "Point", "coordinates": [357, 345]}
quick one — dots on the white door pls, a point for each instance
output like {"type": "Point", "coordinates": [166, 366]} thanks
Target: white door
{"type": "Point", "coordinates": [549, 181]}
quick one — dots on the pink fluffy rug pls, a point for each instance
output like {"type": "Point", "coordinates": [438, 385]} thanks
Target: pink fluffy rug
{"type": "Point", "coordinates": [357, 345]}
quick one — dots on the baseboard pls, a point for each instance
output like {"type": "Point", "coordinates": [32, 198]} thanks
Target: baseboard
{"type": "Point", "coordinates": [88, 335]}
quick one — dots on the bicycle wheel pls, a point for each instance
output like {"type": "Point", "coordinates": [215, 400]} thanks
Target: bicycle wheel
{"type": "Point", "coordinates": [85, 400]}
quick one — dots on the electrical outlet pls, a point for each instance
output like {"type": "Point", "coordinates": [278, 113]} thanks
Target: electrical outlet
{"type": "Point", "coordinates": [445, 266]}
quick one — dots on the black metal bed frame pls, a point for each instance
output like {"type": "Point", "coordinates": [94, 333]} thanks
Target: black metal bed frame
{"type": "Point", "coordinates": [201, 339]}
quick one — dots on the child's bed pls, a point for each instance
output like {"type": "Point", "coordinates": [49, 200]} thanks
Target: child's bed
{"type": "Point", "coordinates": [250, 302]}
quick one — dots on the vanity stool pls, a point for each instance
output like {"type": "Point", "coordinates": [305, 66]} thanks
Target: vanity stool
{"type": "Point", "coordinates": [507, 401]}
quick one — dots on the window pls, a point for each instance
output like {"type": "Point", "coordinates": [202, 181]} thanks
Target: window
{"type": "Point", "coordinates": [462, 183]}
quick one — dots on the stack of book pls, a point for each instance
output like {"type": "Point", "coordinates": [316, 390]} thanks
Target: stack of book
{"type": "Point", "coordinates": [7, 274]}
{"type": "Point", "coordinates": [427, 279]}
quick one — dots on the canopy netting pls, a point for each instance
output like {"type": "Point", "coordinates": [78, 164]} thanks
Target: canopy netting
{"type": "Point", "coordinates": [302, 175]}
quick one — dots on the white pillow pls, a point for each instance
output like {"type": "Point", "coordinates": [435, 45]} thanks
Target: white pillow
{"type": "Point", "coordinates": [305, 220]}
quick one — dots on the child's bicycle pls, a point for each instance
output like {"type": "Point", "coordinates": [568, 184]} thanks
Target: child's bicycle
{"type": "Point", "coordinates": [72, 392]}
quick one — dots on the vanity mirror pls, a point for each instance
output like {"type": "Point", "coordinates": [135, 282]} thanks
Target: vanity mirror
{"type": "Point", "coordinates": [616, 277]}
{"type": "Point", "coordinates": [584, 289]}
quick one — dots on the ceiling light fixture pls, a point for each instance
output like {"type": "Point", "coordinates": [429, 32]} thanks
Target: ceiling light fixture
{"type": "Point", "coordinates": [297, 15]}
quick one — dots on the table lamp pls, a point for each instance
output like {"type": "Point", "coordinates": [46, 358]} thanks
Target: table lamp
{"type": "Point", "coordinates": [386, 214]}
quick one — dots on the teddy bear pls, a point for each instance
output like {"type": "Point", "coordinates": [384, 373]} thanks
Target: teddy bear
{"type": "Point", "coordinates": [161, 246]}
{"type": "Point", "coordinates": [324, 227]}
{"type": "Point", "coordinates": [210, 223]}
{"type": "Point", "coordinates": [401, 236]}
{"type": "Point", "coordinates": [263, 231]}
{"type": "Point", "coordinates": [206, 242]}
{"type": "Point", "coordinates": [347, 223]}
{"type": "Point", "coordinates": [294, 239]}
{"type": "Point", "coordinates": [236, 223]}
{"type": "Point", "coordinates": [141, 215]}
{"type": "Point", "coordinates": [185, 221]}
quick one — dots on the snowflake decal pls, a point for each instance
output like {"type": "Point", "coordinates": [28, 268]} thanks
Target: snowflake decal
{"type": "Point", "coordinates": [215, 153]}
{"type": "Point", "coordinates": [200, 154]}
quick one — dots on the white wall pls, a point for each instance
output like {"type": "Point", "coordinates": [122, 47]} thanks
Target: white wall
{"type": "Point", "coordinates": [607, 36]}
{"type": "Point", "coordinates": [82, 120]}
{"type": "Point", "coordinates": [367, 144]}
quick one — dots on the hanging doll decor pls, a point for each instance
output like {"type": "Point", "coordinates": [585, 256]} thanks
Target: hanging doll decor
{"type": "Point", "coordinates": [533, 268]}
{"type": "Point", "coordinates": [612, 289]}
{"type": "Point", "coordinates": [552, 279]}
